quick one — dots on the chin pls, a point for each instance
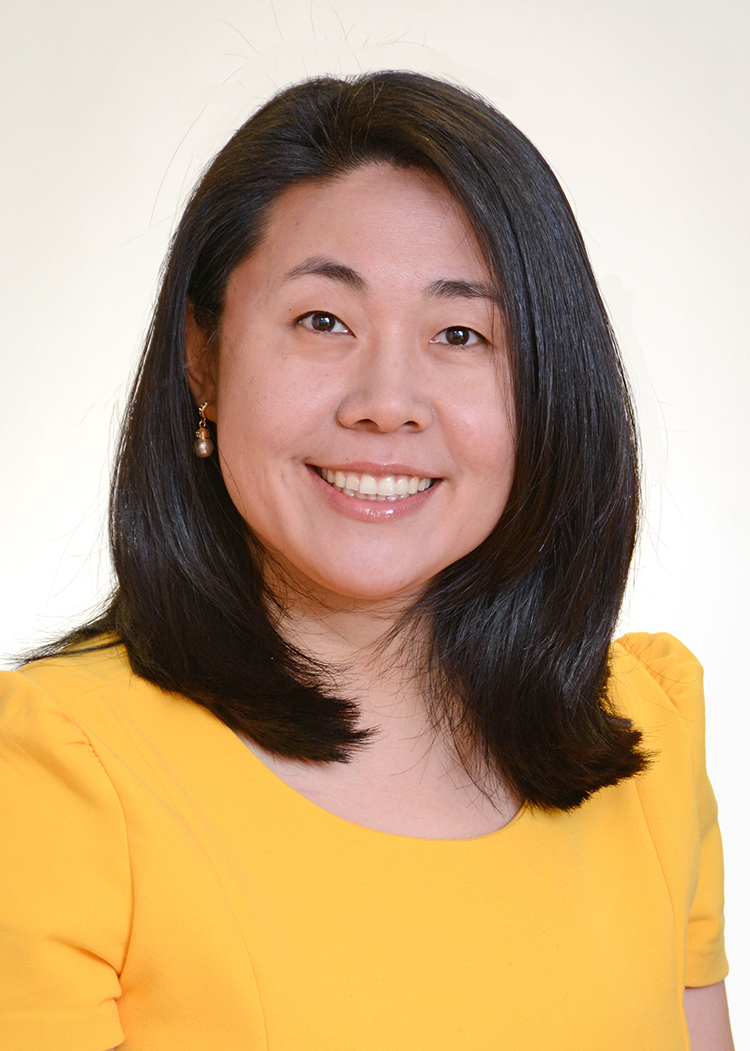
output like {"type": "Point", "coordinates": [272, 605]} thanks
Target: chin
{"type": "Point", "coordinates": [353, 581]}
{"type": "Point", "coordinates": [357, 592]}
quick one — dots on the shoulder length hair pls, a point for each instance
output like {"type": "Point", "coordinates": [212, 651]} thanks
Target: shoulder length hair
{"type": "Point", "coordinates": [520, 628]}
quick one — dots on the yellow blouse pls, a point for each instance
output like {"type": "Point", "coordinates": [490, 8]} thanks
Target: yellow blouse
{"type": "Point", "coordinates": [162, 890]}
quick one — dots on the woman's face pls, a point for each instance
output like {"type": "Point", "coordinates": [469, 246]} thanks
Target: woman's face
{"type": "Point", "coordinates": [360, 386]}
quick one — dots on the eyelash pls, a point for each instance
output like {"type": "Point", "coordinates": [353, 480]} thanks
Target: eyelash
{"type": "Point", "coordinates": [480, 339]}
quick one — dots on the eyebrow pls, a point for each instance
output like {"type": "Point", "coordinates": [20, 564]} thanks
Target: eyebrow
{"type": "Point", "coordinates": [327, 268]}
{"type": "Point", "coordinates": [443, 288]}
{"type": "Point", "coordinates": [446, 289]}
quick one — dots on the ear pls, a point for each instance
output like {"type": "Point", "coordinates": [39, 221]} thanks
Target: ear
{"type": "Point", "coordinates": [200, 361]}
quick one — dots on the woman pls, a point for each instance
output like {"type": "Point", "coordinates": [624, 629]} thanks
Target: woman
{"type": "Point", "coordinates": [350, 761]}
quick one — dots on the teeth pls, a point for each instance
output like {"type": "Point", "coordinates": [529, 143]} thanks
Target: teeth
{"type": "Point", "coordinates": [367, 487]}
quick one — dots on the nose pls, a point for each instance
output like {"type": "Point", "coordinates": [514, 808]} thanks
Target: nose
{"type": "Point", "coordinates": [386, 390]}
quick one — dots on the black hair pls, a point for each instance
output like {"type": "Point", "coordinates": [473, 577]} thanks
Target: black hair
{"type": "Point", "coordinates": [520, 628]}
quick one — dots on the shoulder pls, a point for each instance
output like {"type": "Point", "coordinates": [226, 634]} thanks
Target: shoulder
{"type": "Point", "coordinates": [73, 672]}
{"type": "Point", "coordinates": [45, 694]}
{"type": "Point", "coordinates": [90, 689]}
{"type": "Point", "coordinates": [657, 682]}
{"type": "Point", "coordinates": [54, 715]}
{"type": "Point", "coordinates": [84, 717]}
{"type": "Point", "coordinates": [675, 671]}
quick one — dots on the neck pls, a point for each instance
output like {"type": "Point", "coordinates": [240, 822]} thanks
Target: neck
{"type": "Point", "coordinates": [379, 662]}
{"type": "Point", "coordinates": [368, 658]}
{"type": "Point", "coordinates": [374, 657]}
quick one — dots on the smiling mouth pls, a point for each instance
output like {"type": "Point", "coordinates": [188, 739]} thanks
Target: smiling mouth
{"type": "Point", "coordinates": [387, 487]}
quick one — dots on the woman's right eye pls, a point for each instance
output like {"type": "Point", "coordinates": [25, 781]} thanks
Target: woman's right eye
{"type": "Point", "coordinates": [322, 321]}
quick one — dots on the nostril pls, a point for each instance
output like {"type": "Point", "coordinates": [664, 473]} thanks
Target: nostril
{"type": "Point", "coordinates": [366, 424]}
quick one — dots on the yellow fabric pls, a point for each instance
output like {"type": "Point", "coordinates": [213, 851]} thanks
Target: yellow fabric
{"type": "Point", "coordinates": [163, 890]}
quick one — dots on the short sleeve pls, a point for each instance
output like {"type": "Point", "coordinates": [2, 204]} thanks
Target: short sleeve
{"type": "Point", "coordinates": [65, 891]}
{"type": "Point", "coordinates": [690, 813]}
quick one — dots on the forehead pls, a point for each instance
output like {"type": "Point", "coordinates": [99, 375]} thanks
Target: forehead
{"type": "Point", "coordinates": [377, 218]}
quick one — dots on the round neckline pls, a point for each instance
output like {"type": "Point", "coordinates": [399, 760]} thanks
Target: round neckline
{"type": "Point", "coordinates": [278, 784]}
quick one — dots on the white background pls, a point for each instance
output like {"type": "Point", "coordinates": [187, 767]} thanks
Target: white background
{"type": "Point", "coordinates": [110, 112]}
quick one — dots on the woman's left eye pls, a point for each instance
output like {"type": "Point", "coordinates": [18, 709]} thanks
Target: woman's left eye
{"type": "Point", "coordinates": [459, 336]}
{"type": "Point", "coordinates": [322, 321]}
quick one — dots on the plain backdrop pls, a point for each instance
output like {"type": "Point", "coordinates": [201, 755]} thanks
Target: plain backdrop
{"type": "Point", "coordinates": [112, 110]}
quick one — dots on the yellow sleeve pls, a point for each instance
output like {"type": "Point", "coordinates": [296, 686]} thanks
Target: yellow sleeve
{"type": "Point", "coordinates": [65, 893]}
{"type": "Point", "coordinates": [680, 676]}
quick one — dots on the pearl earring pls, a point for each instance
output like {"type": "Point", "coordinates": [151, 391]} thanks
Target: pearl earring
{"type": "Point", "coordinates": [203, 446]}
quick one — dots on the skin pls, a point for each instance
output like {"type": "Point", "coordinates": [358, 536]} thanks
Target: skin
{"type": "Point", "coordinates": [707, 1017]}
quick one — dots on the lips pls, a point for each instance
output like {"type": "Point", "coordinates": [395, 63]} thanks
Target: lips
{"type": "Point", "coordinates": [375, 487]}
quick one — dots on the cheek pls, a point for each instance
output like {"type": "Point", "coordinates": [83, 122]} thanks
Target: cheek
{"type": "Point", "coordinates": [485, 436]}
{"type": "Point", "coordinates": [266, 412]}
{"type": "Point", "coordinates": [489, 451]}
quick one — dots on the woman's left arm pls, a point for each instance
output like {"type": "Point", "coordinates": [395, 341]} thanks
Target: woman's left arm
{"type": "Point", "coordinates": [707, 1017]}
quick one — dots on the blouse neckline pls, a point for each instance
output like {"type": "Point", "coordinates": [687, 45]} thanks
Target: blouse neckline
{"type": "Point", "coordinates": [280, 787]}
